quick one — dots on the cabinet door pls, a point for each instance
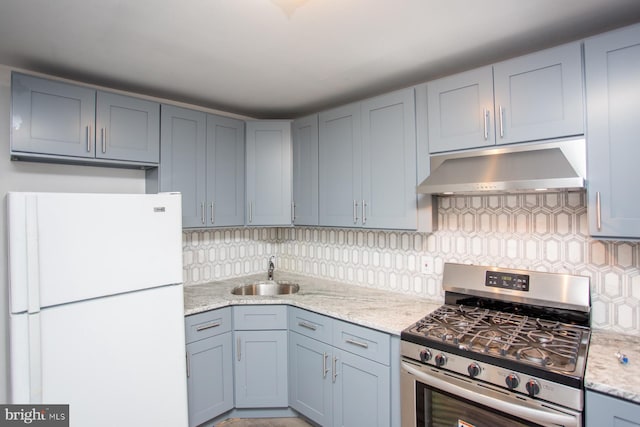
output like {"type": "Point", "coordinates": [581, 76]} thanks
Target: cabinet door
{"type": "Point", "coordinates": [612, 61]}
{"type": "Point", "coordinates": [539, 96]}
{"type": "Point", "coordinates": [183, 160]}
{"type": "Point", "coordinates": [209, 378]}
{"type": "Point", "coordinates": [340, 170]}
{"type": "Point", "coordinates": [389, 197]}
{"type": "Point", "coordinates": [310, 378]}
{"type": "Point", "coordinates": [269, 173]}
{"type": "Point", "coordinates": [127, 128]}
{"type": "Point", "coordinates": [461, 111]}
{"type": "Point", "coordinates": [225, 171]}
{"type": "Point", "coordinates": [261, 378]}
{"type": "Point", "coordinates": [51, 117]}
{"type": "Point", "coordinates": [603, 411]}
{"type": "Point", "coordinates": [305, 170]}
{"type": "Point", "coordinates": [361, 394]}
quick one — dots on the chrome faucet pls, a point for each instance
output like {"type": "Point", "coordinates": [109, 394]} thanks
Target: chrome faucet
{"type": "Point", "coordinates": [271, 268]}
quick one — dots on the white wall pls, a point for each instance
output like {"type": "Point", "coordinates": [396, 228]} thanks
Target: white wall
{"type": "Point", "coordinates": [25, 176]}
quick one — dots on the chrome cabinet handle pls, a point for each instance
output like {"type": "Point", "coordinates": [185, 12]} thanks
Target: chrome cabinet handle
{"type": "Point", "coordinates": [208, 326]}
{"type": "Point", "coordinates": [335, 369]}
{"type": "Point", "coordinates": [307, 325]}
{"type": "Point", "coordinates": [250, 212]}
{"type": "Point", "coordinates": [238, 347]}
{"type": "Point", "coordinates": [188, 364]}
{"type": "Point", "coordinates": [325, 370]}
{"type": "Point", "coordinates": [104, 140]}
{"type": "Point", "coordinates": [293, 212]}
{"type": "Point", "coordinates": [364, 212]}
{"type": "Point", "coordinates": [598, 212]}
{"type": "Point", "coordinates": [485, 116]}
{"type": "Point", "coordinates": [202, 213]}
{"type": "Point", "coordinates": [355, 212]}
{"type": "Point", "coordinates": [501, 112]}
{"type": "Point", "coordinates": [89, 139]}
{"type": "Point", "coordinates": [358, 343]}
{"type": "Point", "coordinates": [213, 213]}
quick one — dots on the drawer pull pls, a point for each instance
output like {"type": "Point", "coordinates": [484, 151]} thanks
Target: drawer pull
{"type": "Point", "coordinates": [307, 325]}
{"type": "Point", "coordinates": [207, 326]}
{"type": "Point", "coordinates": [358, 343]}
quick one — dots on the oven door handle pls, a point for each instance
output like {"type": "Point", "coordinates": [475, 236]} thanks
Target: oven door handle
{"type": "Point", "coordinates": [519, 410]}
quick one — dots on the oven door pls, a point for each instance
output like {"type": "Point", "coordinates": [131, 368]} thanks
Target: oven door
{"type": "Point", "coordinates": [434, 398]}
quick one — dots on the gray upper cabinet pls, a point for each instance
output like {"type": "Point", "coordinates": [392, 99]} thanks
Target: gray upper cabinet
{"type": "Point", "coordinates": [62, 122]}
{"type": "Point", "coordinates": [531, 97]}
{"type": "Point", "coordinates": [340, 171]}
{"type": "Point", "coordinates": [269, 173]}
{"type": "Point", "coordinates": [368, 163]}
{"type": "Point", "coordinates": [225, 171]}
{"type": "Point", "coordinates": [389, 197]}
{"type": "Point", "coordinates": [612, 61]}
{"type": "Point", "coordinates": [203, 158]}
{"type": "Point", "coordinates": [305, 170]}
{"type": "Point", "coordinates": [127, 128]}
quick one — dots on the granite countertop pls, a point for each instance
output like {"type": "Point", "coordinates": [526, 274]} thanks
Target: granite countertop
{"type": "Point", "coordinates": [605, 374]}
{"type": "Point", "coordinates": [386, 311]}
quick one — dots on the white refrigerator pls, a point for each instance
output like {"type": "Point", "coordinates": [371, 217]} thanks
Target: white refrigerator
{"type": "Point", "coordinates": [96, 306]}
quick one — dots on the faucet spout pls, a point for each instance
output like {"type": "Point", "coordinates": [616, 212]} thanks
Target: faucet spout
{"type": "Point", "coordinates": [271, 268]}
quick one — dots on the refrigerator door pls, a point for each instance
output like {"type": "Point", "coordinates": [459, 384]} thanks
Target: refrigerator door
{"type": "Point", "coordinates": [71, 247]}
{"type": "Point", "coordinates": [117, 360]}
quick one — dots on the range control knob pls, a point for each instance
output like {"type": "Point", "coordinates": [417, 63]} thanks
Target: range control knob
{"type": "Point", "coordinates": [425, 355]}
{"type": "Point", "coordinates": [473, 369]}
{"type": "Point", "coordinates": [512, 381]}
{"type": "Point", "coordinates": [532, 387]}
{"type": "Point", "coordinates": [441, 359]}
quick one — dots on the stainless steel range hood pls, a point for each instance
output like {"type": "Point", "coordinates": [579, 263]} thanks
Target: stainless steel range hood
{"type": "Point", "coordinates": [522, 168]}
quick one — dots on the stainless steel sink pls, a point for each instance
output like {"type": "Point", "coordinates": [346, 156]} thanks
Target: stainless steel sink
{"type": "Point", "coordinates": [267, 288]}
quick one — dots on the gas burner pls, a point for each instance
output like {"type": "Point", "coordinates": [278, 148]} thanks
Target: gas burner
{"type": "Point", "coordinates": [534, 355]}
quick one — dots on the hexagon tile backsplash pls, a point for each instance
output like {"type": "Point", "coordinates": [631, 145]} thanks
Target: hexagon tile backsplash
{"type": "Point", "coordinates": [545, 232]}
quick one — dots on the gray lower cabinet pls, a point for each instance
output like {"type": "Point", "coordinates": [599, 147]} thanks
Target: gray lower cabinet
{"type": "Point", "coordinates": [202, 157]}
{"type": "Point", "coordinates": [367, 155]}
{"type": "Point", "coordinates": [268, 173]}
{"type": "Point", "coordinates": [57, 121]}
{"type": "Point", "coordinates": [260, 364]}
{"type": "Point", "coordinates": [304, 133]}
{"type": "Point", "coordinates": [339, 373]}
{"type": "Point", "coordinates": [209, 365]}
{"type": "Point", "coordinates": [612, 61]}
{"type": "Point", "coordinates": [607, 411]}
{"type": "Point", "coordinates": [531, 97]}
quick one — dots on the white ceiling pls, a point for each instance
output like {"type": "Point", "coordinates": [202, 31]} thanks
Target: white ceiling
{"type": "Point", "coordinates": [284, 58]}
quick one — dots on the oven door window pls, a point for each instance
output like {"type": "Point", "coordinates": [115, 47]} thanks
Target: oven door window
{"type": "Point", "coordinates": [436, 408]}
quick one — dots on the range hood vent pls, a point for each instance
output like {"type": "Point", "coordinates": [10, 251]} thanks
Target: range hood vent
{"type": "Point", "coordinates": [526, 168]}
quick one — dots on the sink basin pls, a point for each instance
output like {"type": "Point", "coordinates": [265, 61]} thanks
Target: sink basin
{"type": "Point", "coordinates": [267, 288]}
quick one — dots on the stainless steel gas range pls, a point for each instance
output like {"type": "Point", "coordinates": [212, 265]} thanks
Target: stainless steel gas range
{"type": "Point", "coordinates": [508, 348]}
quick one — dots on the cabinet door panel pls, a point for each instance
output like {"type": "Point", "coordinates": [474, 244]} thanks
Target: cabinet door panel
{"type": "Point", "coordinates": [225, 171]}
{"type": "Point", "coordinates": [389, 161]}
{"type": "Point", "coordinates": [456, 111]}
{"type": "Point", "coordinates": [361, 392]}
{"type": "Point", "coordinates": [310, 378]}
{"type": "Point", "coordinates": [612, 62]}
{"type": "Point", "coordinates": [210, 382]}
{"type": "Point", "coordinates": [602, 410]}
{"type": "Point", "coordinates": [127, 128]}
{"type": "Point", "coordinates": [269, 173]}
{"type": "Point", "coordinates": [305, 170]}
{"type": "Point", "coordinates": [183, 160]}
{"type": "Point", "coordinates": [261, 369]}
{"type": "Point", "coordinates": [340, 171]}
{"type": "Point", "coordinates": [539, 95]}
{"type": "Point", "coordinates": [52, 117]}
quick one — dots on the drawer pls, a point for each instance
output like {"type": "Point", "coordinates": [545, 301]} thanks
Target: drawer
{"type": "Point", "coordinates": [207, 324]}
{"type": "Point", "coordinates": [365, 342]}
{"type": "Point", "coordinates": [257, 317]}
{"type": "Point", "coordinates": [310, 324]}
